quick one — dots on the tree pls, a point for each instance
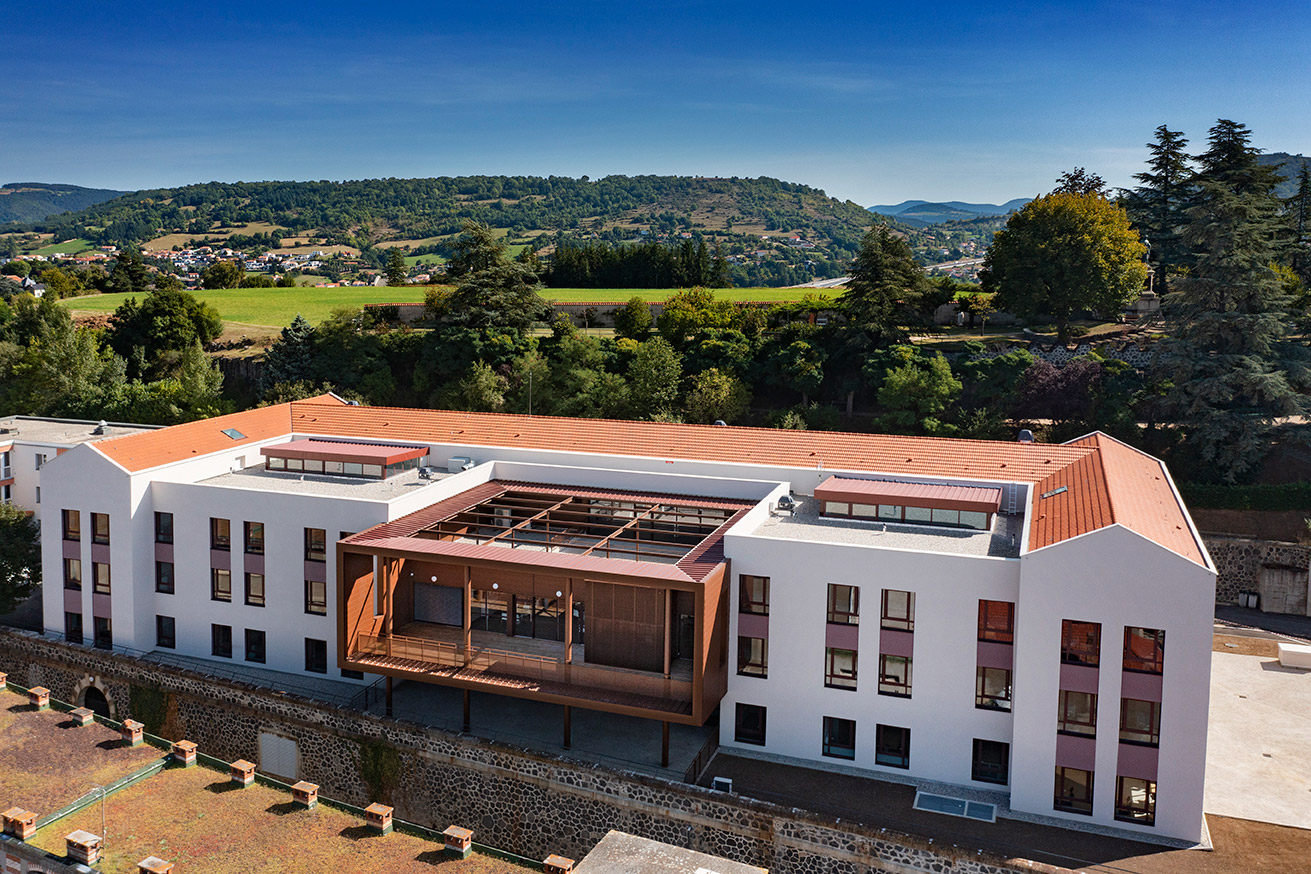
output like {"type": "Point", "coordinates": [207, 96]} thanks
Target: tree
{"type": "Point", "coordinates": [289, 359]}
{"type": "Point", "coordinates": [719, 275]}
{"type": "Point", "coordinates": [1230, 161]}
{"type": "Point", "coordinates": [885, 287]}
{"type": "Point", "coordinates": [502, 295]}
{"type": "Point", "coordinates": [653, 377]}
{"type": "Point", "coordinates": [482, 390]}
{"type": "Point", "coordinates": [166, 320]}
{"type": "Point", "coordinates": [716, 395]}
{"type": "Point", "coordinates": [20, 556]}
{"type": "Point", "coordinates": [129, 273]}
{"type": "Point", "coordinates": [1062, 253]}
{"type": "Point", "coordinates": [16, 268]}
{"type": "Point", "coordinates": [1299, 213]}
{"type": "Point", "coordinates": [222, 274]}
{"type": "Point", "coordinates": [691, 311]}
{"type": "Point", "coordinates": [915, 394]}
{"type": "Point", "coordinates": [1080, 181]}
{"type": "Point", "coordinates": [633, 319]}
{"type": "Point", "coordinates": [477, 248]}
{"type": "Point", "coordinates": [396, 270]}
{"type": "Point", "coordinates": [1156, 206]}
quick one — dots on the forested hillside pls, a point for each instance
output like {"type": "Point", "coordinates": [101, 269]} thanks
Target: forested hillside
{"type": "Point", "coordinates": [35, 201]}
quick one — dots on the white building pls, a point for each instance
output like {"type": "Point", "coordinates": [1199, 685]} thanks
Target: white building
{"type": "Point", "coordinates": [1031, 620]}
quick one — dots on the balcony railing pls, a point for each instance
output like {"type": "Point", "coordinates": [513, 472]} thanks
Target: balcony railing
{"type": "Point", "coordinates": [503, 667]}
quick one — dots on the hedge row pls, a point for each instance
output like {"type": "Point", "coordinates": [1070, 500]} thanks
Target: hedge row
{"type": "Point", "coordinates": [1286, 496]}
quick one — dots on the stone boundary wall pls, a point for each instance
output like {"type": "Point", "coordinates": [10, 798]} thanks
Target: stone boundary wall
{"type": "Point", "coordinates": [1239, 560]}
{"type": "Point", "coordinates": [21, 858]}
{"type": "Point", "coordinates": [528, 803]}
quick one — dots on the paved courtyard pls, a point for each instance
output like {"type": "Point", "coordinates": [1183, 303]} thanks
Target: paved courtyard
{"type": "Point", "coordinates": [1258, 761]}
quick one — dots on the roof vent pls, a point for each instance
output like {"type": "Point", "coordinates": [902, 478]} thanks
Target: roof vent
{"type": "Point", "coordinates": [721, 423]}
{"type": "Point", "coordinates": [1026, 436]}
{"type": "Point", "coordinates": [427, 472]}
{"type": "Point", "coordinates": [787, 504]}
{"type": "Point", "coordinates": [100, 427]}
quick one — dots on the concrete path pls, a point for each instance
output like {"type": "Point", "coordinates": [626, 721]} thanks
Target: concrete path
{"type": "Point", "coordinates": [1258, 760]}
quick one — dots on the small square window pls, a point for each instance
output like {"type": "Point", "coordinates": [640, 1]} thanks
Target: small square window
{"type": "Point", "coordinates": [220, 637]}
{"type": "Point", "coordinates": [840, 668]}
{"type": "Point", "coordinates": [1074, 791]}
{"type": "Point", "coordinates": [163, 527]}
{"type": "Point", "coordinates": [164, 577]}
{"type": "Point", "coordinates": [100, 578]}
{"type": "Point", "coordinates": [894, 676]}
{"type": "Point", "coordinates": [316, 544]}
{"type": "Point", "coordinates": [254, 538]}
{"type": "Point", "coordinates": [104, 633]}
{"type": "Point", "coordinates": [1140, 722]}
{"type": "Point", "coordinates": [749, 725]}
{"type": "Point", "coordinates": [839, 738]}
{"type": "Point", "coordinates": [255, 590]}
{"type": "Point", "coordinates": [997, 621]}
{"type": "Point", "coordinates": [72, 524]}
{"type": "Point", "coordinates": [100, 528]}
{"type": "Point", "coordinates": [1081, 643]}
{"type": "Point", "coordinates": [753, 594]}
{"type": "Point", "coordinates": [220, 534]}
{"type": "Point", "coordinates": [220, 584]}
{"type": "Point", "coordinates": [992, 762]}
{"type": "Point", "coordinates": [1078, 713]}
{"type": "Point", "coordinates": [255, 646]}
{"type": "Point", "coordinates": [892, 746]}
{"type": "Point", "coordinates": [843, 604]}
{"type": "Point", "coordinates": [1144, 650]}
{"type": "Point", "coordinates": [992, 689]}
{"type": "Point", "coordinates": [73, 574]}
{"type": "Point", "coordinates": [1135, 800]}
{"type": "Point", "coordinates": [316, 597]}
{"type": "Point", "coordinates": [752, 656]}
{"type": "Point", "coordinates": [898, 610]}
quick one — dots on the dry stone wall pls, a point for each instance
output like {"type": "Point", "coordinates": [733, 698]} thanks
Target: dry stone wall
{"type": "Point", "coordinates": [517, 800]}
{"type": "Point", "coordinates": [1240, 564]}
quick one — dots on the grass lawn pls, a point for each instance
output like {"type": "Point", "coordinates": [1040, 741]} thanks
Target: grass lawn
{"type": "Point", "coordinates": [621, 295]}
{"type": "Point", "coordinates": [46, 761]}
{"type": "Point", "coordinates": [198, 819]}
{"type": "Point", "coordinates": [68, 247]}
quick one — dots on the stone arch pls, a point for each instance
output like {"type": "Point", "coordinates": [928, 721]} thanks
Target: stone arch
{"type": "Point", "coordinates": [90, 692]}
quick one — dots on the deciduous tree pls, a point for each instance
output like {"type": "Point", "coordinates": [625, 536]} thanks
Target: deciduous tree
{"type": "Point", "coordinates": [20, 556]}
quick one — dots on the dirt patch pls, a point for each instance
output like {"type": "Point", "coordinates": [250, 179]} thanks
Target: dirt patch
{"type": "Point", "coordinates": [1241, 847]}
{"type": "Point", "coordinates": [1248, 646]}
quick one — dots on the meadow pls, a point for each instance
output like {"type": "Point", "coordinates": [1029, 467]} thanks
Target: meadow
{"type": "Point", "coordinates": [276, 307]}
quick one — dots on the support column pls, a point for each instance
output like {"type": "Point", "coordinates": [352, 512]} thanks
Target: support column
{"type": "Point", "coordinates": [466, 710]}
{"type": "Point", "coordinates": [389, 594]}
{"type": "Point", "coordinates": [388, 696]}
{"type": "Point", "coordinates": [669, 629]}
{"type": "Point", "coordinates": [664, 744]}
{"type": "Point", "coordinates": [468, 627]}
{"type": "Point", "coordinates": [568, 725]}
{"type": "Point", "coordinates": [569, 620]}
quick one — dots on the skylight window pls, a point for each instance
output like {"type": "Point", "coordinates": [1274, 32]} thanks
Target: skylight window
{"type": "Point", "coordinates": [1054, 492]}
{"type": "Point", "coordinates": [234, 434]}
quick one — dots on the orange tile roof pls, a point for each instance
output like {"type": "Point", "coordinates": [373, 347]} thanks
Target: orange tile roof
{"type": "Point", "coordinates": [1106, 481]}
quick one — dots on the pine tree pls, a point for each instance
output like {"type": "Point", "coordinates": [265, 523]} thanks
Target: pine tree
{"type": "Point", "coordinates": [885, 285]}
{"type": "Point", "coordinates": [290, 358]}
{"type": "Point", "coordinates": [395, 269]}
{"type": "Point", "coordinates": [1299, 214]}
{"type": "Point", "coordinates": [1156, 206]}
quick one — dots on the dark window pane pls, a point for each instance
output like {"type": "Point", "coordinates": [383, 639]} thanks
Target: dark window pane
{"type": "Point", "coordinates": [221, 640]}
{"type": "Point", "coordinates": [892, 746]}
{"type": "Point", "coordinates": [165, 632]}
{"type": "Point", "coordinates": [1074, 790]}
{"type": "Point", "coordinates": [254, 646]}
{"type": "Point", "coordinates": [750, 724]}
{"type": "Point", "coordinates": [992, 760]}
{"type": "Point", "coordinates": [839, 738]}
{"type": "Point", "coordinates": [1081, 643]}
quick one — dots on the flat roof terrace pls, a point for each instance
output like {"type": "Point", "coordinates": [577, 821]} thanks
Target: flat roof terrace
{"type": "Point", "coordinates": [806, 523]}
{"type": "Point", "coordinates": [325, 485]}
{"type": "Point", "coordinates": [63, 431]}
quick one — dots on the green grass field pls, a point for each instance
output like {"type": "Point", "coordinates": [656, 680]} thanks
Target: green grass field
{"type": "Point", "coordinates": [276, 307]}
{"type": "Point", "coordinates": [68, 247]}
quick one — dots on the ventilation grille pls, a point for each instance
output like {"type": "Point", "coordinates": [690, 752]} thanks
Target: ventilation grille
{"type": "Point", "coordinates": [979, 810]}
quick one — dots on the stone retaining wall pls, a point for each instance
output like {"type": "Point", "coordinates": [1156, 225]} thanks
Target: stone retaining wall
{"type": "Point", "coordinates": [526, 802]}
{"type": "Point", "coordinates": [1240, 562]}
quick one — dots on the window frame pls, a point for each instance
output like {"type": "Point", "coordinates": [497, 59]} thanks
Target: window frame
{"type": "Point", "coordinates": [1144, 814]}
{"type": "Point", "coordinates": [97, 587]}
{"type": "Point", "coordinates": [1071, 803]}
{"type": "Point", "coordinates": [71, 619]}
{"type": "Point", "coordinates": [97, 537]}
{"type": "Point", "coordinates": [833, 677]}
{"type": "Point", "coordinates": [898, 622]}
{"type": "Point", "coordinates": [895, 688]}
{"type": "Point", "coordinates": [1155, 664]}
{"type": "Point", "coordinates": [749, 736]}
{"type": "Point", "coordinates": [885, 753]}
{"type": "Point", "coordinates": [984, 701]}
{"type": "Point", "coordinates": [839, 613]}
{"type": "Point", "coordinates": [1066, 717]}
{"type": "Point", "coordinates": [252, 546]}
{"type": "Point", "coordinates": [73, 581]}
{"type": "Point", "coordinates": [988, 772]}
{"type": "Point", "coordinates": [214, 640]}
{"type": "Point", "coordinates": [220, 534]}
{"type": "Point", "coordinates": [163, 532]}
{"type": "Point", "coordinates": [1149, 738]}
{"type": "Point", "coordinates": [163, 640]}
{"type": "Point", "coordinates": [254, 598]}
{"type": "Point", "coordinates": [215, 592]}
{"type": "Point", "coordinates": [163, 586]}
{"type": "Point", "coordinates": [309, 598]}
{"type": "Point", "coordinates": [255, 636]}
{"type": "Point", "coordinates": [312, 554]}
{"type": "Point", "coordinates": [749, 662]}
{"type": "Point", "coordinates": [1081, 652]}
{"type": "Point", "coordinates": [309, 667]}
{"type": "Point", "coordinates": [73, 532]}
{"type": "Point", "coordinates": [835, 726]}
{"type": "Point", "coordinates": [989, 629]}
{"type": "Point", "coordinates": [105, 640]}
{"type": "Point", "coordinates": [747, 600]}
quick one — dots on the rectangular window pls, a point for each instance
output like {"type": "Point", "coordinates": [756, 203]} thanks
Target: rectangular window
{"type": "Point", "coordinates": [316, 656]}
{"type": "Point", "coordinates": [919, 514]}
{"type": "Point", "coordinates": [38, 495]}
{"type": "Point", "coordinates": [166, 632]}
{"type": "Point", "coordinates": [752, 656]}
{"type": "Point", "coordinates": [892, 746]}
{"type": "Point", "coordinates": [1078, 713]}
{"type": "Point", "coordinates": [1074, 790]}
{"type": "Point", "coordinates": [73, 627]}
{"type": "Point", "coordinates": [104, 633]}
{"type": "Point", "coordinates": [100, 528]}
{"type": "Point", "coordinates": [164, 577]}
{"type": "Point", "coordinates": [992, 762]}
{"type": "Point", "coordinates": [220, 534]}
{"type": "Point", "coordinates": [316, 544]}
{"type": "Point", "coordinates": [254, 646]}
{"type": "Point", "coordinates": [843, 604]}
{"type": "Point", "coordinates": [839, 738]}
{"type": "Point", "coordinates": [992, 689]}
{"type": "Point", "coordinates": [254, 590]}
{"type": "Point", "coordinates": [163, 527]}
{"type": "Point", "coordinates": [316, 597]}
{"type": "Point", "coordinates": [898, 610]}
{"type": "Point", "coordinates": [1140, 722]}
{"type": "Point", "coordinates": [220, 584]}
{"type": "Point", "coordinates": [220, 641]}
{"type": "Point", "coordinates": [40, 460]}
{"type": "Point", "coordinates": [72, 524]}
{"type": "Point", "coordinates": [753, 595]}
{"type": "Point", "coordinates": [254, 538]}
{"type": "Point", "coordinates": [1144, 650]}
{"type": "Point", "coordinates": [840, 668]}
{"type": "Point", "coordinates": [1135, 800]}
{"type": "Point", "coordinates": [997, 621]}
{"type": "Point", "coordinates": [73, 574]}
{"type": "Point", "coordinates": [100, 577]}
{"type": "Point", "coordinates": [1081, 643]}
{"type": "Point", "coordinates": [894, 676]}
{"type": "Point", "coordinates": [833, 508]}
{"type": "Point", "coordinates": [749, 725]}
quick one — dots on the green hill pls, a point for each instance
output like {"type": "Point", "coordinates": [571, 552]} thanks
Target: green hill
{"type": "Point", "coordinates": [35, 201]}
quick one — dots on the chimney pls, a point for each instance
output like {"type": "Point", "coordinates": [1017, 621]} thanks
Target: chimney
{"type": "Point", "coordinates": [19, 823]}
{"type": "Point", "coordinates": [557, 864]}
{"type": "Point", "coordinates": [459, 841]}
{"type": "Point", "coordinates": [82, 716]}
{"type": "Point", "coordinates": [306, 794]}
{"type": "Point", "coordinates": [184, 753]}
{"type": "Point", "coordinates": [243, 772]}
{"type": "Point", "coordinates": [82, 847]}
{"type": "Point", "coordinates": [132, 732]}
{"type": "Point", "coordinates": [154, 865]}
{"type": "Point", "coordinates": [378, 816]}
{"type": "Point", "coordinates": [39, 697]}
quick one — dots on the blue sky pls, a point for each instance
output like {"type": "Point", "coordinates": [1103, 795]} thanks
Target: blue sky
{"type": "Point", "coordinates": [874, 102]}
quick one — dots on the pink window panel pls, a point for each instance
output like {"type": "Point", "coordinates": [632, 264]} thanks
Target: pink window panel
{"type": "Point", "coordinates": [841, 636]}
{"type": "Point", "coordinates": [1144, 687]}
{"type": "Point", "coordinates": [100, 606]}
{"type": "Point", "coordinates": [896, 643]}
{"type": "Point", "coordinates": [1076, 752]}
{"type": "Point", "coordinates": [1138, 761]}
{"type": "Point", "coordinates": [316, 571]}
{"type": "Point", "coordinates": [753, 625]}
{"type": "Point", "coordinates": [1079, 678]}
{"type": "Point", "coordinates": [221, 559]}
{"type": "Point", "coordinates": [996, 655]}
{"type": "Point", "coordinates": [254, 564]}
{"type": "Point", "coordinates": [164, 552]}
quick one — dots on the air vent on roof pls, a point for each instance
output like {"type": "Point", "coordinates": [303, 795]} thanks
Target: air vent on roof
{"type": "Point", "coordinates": [979, 810]}
{"type": "Point", "coordinates": [100, 427]}
{"type": "Point", "coordinates": [234, 434]}
{"type": "Point", "coordinates": [1054, 492]}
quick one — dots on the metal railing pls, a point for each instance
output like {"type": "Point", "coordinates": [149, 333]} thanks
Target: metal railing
{"type": "Point", "coordinates": [507, 663]}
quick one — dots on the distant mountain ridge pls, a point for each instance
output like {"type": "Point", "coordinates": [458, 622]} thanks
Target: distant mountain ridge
{"type": "Point", "coordinates": [1289, 166]}
{"type": "Point", "coordinates": [920, 213]}
{"type": "Point", "coordinates": [35, 201]}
